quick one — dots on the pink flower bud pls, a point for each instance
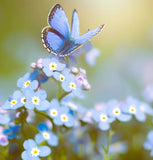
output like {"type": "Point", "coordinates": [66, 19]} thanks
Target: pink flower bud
{"type": "Point", "coordinates": [88, 86]}
{"type": "Point", "coordinates": [39, 63]}
{"type": "Point", "coordinates": [74, 70]}
{"type": "Point", "coordinates": [33, 65]}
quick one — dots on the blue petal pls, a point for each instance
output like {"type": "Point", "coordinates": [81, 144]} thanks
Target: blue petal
{"type": "Point", "coordinates": [140, 116]}
{"type": "Point", "coordinates": [44, 151]}
{"type": "Point", "coordinates": [53, 141]}
{"type": "Point", "coordinates": [29, 143]}
{"type": "Point", "coordinates": [44, 105]}
{"type": "Point", "coordinates": [42, 127]}
{"type": "Point", "coordinates": [147, 146]}
{"type": "Point", "coordinates": [41, 94]}
{"type": "Point", "coordinates": [104, 126]}
{"type": "Point", "coordinates": [39, 138]}
{"type": "Point", "coordinates": [57, 121]}
{"type": "Point", "coordinates": [124, 117]}
{"type": "Point", "coordinates": [21, 80]}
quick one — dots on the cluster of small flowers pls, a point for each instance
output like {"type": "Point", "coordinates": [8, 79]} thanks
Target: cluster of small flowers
{"type": "Point", "coordinates": [32, 97]}
{"type": "Point", "coordinates": [61, 111]}
{"type": "Point", "coordinates": [106, 113]}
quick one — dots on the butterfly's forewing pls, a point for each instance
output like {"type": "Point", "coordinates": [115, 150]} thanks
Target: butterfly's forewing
{"type": "Point", "coordinates": [85, 37]}
{"type": "Point", "coordinates": [58, 20]}
{"type": "Point", "coordinates": [75, 29]}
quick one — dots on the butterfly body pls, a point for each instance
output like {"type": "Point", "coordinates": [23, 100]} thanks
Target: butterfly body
{"type": "Point", "coordinates": [57, 37]}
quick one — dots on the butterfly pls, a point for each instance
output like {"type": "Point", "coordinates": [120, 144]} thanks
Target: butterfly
{"type": "Point", "coordinates": [57, 37]}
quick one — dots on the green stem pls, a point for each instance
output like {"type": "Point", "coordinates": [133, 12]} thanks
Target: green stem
{"type": "Point", "coordinates": [32, 127]}
{"type": "Point", "coordinates": [107, 156]}
{"type": "Point", "coordinates": [63, 95]}
{"type": "Point", "coordinates": [44, 115]}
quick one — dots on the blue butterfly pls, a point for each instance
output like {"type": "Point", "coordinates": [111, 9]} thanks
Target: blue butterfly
{"type": "Point", "coordinates": [57, 37]}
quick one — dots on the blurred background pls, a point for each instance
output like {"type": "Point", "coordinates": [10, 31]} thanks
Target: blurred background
{"type": "Point", "coordinates": [124, 67]}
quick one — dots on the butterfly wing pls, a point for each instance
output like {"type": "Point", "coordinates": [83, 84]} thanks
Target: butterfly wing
{"type": "Point", "coordinates": [53, 40]}
{"type": "Point", "coordinates": [78, 42]}
{"type": "Point", "coordinates": [58, 20]}
{"type": "Point", "coordinates": [85, 37]}
{"type": "Point", "coordinates": [75, 30]}
{"type": "Point", "coordinates": [57, 34]}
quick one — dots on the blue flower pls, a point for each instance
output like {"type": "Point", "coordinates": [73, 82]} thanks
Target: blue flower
{"type": "Point", "coordinates": [70, 85]}
{"type": "Point", "coordinates": [102, 118]}
{"type": "Point", "coordinates": [12, 131]}
{"type": "Point", "coordinates": [148, 145]}
{"type": "Point", "coordinates": [33, 152]}
{"type": "Point", "coordinates": [54, 108]}
{"type": "Point", "coordinates": [27, 83]}
{"type": "Point", "coordinates": [64, 118]}
{"type": "Point", "coordinates": [46, 135]}
{"type": "Point", "coordinates": [63, 75]}
{"type": "Point", "coordinates": [50, 65]}
{"type": "Point", "coordinates": [36, 100]}
{"type": "Point", "coordinates": [14, 101]}
{"type": "Point", "coordinates": [114, 109]}
{"type": "Point", "coordinates": [38, 75]}
{"type": "Point", "coordinates": [133, 107]}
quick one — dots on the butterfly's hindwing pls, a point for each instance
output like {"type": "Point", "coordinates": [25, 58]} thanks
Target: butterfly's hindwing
{"type": "Point", "coordinates": [52, 40]}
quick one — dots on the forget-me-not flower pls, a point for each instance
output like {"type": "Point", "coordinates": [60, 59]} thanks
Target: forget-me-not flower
{"type": "Point", "coordinates": [52, 64]}
{"type": "Point", "coordinates": [33, 152]}
{"type": "Point", "coordinates": [114, 109]}
{"type": "Point", "coordinates": [64, 118]}
{"type": "Point", "coordinates": [132, 106]}
{"type": "Point", "coordinates": [36, 100]}
{"type": "Point", "coordinates": [12, 131]}
{"type": "Point", "coordinates": [46, 135]}
{"type": "Point", "coordinates": [14, 101]}
{"type": "Point", "coordinates": [27, 83]}
{"type": "Point", "coordinates": [54, 108]}
{"type": "Point", "coordinates": [70, 85]}
{"type": "Point", "coordinates": [102, 118]}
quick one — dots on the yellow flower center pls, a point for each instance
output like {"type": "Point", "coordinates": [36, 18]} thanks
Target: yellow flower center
{"type": "Point", "coordinates": [116, 111]}
{"type": "Point", "coordinates": [62, 78]}
{"type": "Point", "coordinates": [46, 135]}
{"type": "Point", "coordinates": [103, 117]}
{"type": "Point", "coordinates": [23, 100]}
{"type": "Point", "coordinates": [35, 152]}
{"type": "Point", "coordinates": [26, 84]}
{"type": "Point", "coordinates": [72, 85]}
{"type": "Point", "coordinates": [52, 66]}
{"type": "Point", "coordinates": [35, 100]}
{"type": "Point", "coordinates": [132, 110]}
{"type": "Point", "coordinates": [64, 118]}
{"type": "Point", "coordinates": [53, 112]}
{"type": "Point", "coordinates": [13, 102]}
